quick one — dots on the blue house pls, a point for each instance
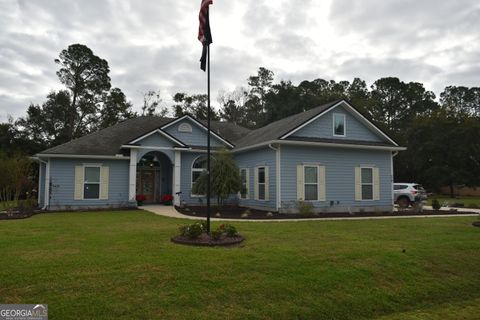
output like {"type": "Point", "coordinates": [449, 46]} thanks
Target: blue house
{"type": "Point", "coordinates": [331, 156]}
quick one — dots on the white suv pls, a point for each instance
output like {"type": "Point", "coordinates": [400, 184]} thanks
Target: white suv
{"type": "Point", "coordinates": [405, 194]}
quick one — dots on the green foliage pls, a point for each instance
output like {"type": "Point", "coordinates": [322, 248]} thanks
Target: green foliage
{"type": "Point", "coordinates": [15, 172]}
{"type": "Point", "coordinates": [225, 177]}
{"type": "Point", "coordinates": [436, 204]}
{"type": "Point", "coordinates": [194, 105]}
{"type": "Point", "coordinates": [216, 234]}
{"type": "Point", "coordinates": [247, 213]}
{"type": "Point", "coordinates": [230, 230]}
{"type": "Point", "coordinates": [193, 231]}
{"type": "Point", "coordinates": [305, 208]}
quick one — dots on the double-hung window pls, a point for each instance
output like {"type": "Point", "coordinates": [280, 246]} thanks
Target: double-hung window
{"type": "Point", "coordinates": [261, 183]}
{"type": "Point", "coordinates": [91, 183]}
{"type": "Point", "coordinates": [198, 167]}
{"type": "Point", "coordinates": [339, 125]}
{"type": "Point", "coordinates": [244, 178]}
{"type": "Point", "coordinates": [367, 183]}
{"type": "Point", "coordinates": [310, 174]}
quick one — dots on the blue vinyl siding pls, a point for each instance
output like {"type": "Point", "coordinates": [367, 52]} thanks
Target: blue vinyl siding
{"type": "Point", "coordinates": [62, 174]}
{"type": "Point", "coordinates": [258, 158]}
{"type": "Point", "coordinates": [186, 178]}
{"type": "Point", "coordinates": [198, 136]}
{"type": "Point", "coordinates": [323, 128]}
{"type": "Point", "coordinates": [340, 166]}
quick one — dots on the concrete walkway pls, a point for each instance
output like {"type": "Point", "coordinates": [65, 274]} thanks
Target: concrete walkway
{"type": "Point", "coordinates": [169, 211]}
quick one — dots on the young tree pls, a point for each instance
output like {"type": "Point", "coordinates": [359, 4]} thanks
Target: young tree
{"type": "Point", "coordinates": [194, 105]}
{"type": "Point", "coordinates": [225, 178]}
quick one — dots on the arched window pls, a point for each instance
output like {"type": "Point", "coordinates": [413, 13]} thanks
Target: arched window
{"type": "Point", "coordinates": [199, 165]}
{"type": "Point", "coordinates": [184, 127]}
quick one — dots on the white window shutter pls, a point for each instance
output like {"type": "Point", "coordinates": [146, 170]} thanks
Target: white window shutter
{"type": "Point", "coordinates": [358, 184]}
{"type": "Point", "coordinates": [267, 184]}
{"type": "Point", "coordinates": [104, 178]}
{"type": "Point", "coordinates": [321, 183]}
{"type": "Point", "coordinates": [300, 186]}
{"type": "Point", "coordinates": [78, 193]}
{"type": "Point", "coordinates": [376, 184]}
{"type": "Point", "coordinates": [255, 184]}
{"type": "Point", "coordinates": [248, 182]}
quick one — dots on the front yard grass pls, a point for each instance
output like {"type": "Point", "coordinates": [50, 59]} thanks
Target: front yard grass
{"type": "Point", "coordinates": [473, 202]}
{"type": "Point", "coordinates": [122, 265]}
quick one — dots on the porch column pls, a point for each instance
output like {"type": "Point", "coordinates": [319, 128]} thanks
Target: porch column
{"type": "Point", "coordinates": [132, 177]}
{"type": "Point", "coordinates": [47, 184]}
{"type": "Point", "coordinates": [176, 177]}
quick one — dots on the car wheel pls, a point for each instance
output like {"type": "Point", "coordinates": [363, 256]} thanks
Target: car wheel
{"type": "Point", "coordinates": [403, 202]}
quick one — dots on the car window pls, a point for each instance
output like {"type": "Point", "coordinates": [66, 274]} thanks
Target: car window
{"type": "Point", "coordinates": [399, 187]}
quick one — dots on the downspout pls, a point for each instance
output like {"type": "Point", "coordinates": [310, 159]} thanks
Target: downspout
{"type": "Point", "coordinates": [391, 168]}
{"type": "Point", "coordinates": [277, 176]}
{"type": "Point", "coordinates": [44, 189]}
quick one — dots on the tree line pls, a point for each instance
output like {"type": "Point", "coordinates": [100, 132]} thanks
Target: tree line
{"type": "Point", "coordinates": [442, 135]}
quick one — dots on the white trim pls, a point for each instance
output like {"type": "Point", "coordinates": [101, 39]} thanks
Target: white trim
{"type": "Point", "coordinates": [177, 171]}
{"type": "Point", "coordinates": [278, 179]}
{"type": "Point", "coordinates": [310, 183]}
{"type": "Point", "coordinates": [357, 114]}
{"type": "Point", "coordinates": [393, 177]}
{"type": "Point", "coordinates": [259, 183]}
{"type": "Point", "coordinates": [132, 175]}
{"type": "Point", "coordinates": [247, 183]}
{"type": "Point", "coordinates": [344, 125]}
{"type": "Point", "coordinates": [185, 127]}
{"type": "Point", "coordinates": [47, 185]}
{"type": "Point", "coordinates": [78, 156]}
{"type": "Point", "coordinates": [40, 164]}
{"type": "Point", "coordinates": [372, 183]}
{"type": "Point", "coordinates": [201, 125]}
{"type": "Point", "coordinates": [92, 165]}
{"type": "Point", "coordinates": [192, 170]}
{"type": "Point", "coordinates": [166, 135]}
{"type": "Point", "coordinates": [318, 144]}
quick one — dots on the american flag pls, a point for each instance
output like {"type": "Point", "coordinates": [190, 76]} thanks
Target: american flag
{"type": "Point", "coordinates": [204, 34]}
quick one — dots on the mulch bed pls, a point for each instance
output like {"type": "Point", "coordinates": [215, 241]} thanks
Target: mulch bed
{"type": "Point", "coordinates": [206, 241]}
{"type": "Point", "coordinates": [16, 215]}
{"type": "Point", "coordinates": [235, 212]}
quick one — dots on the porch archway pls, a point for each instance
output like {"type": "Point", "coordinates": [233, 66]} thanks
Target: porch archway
{"type": "Point", "coordinates": [154, 176]}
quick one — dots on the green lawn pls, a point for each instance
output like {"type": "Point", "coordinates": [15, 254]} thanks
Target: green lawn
{"type": "Point", "coordinates": [122, 265]}
{"type": "Point", "coordinates": [446, 200]}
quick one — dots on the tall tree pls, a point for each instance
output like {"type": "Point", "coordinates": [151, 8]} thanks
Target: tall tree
{"type": "Point", "coordinates": [194, 105]}
{"type": "Point", "coordinates": [151, 104]}
{"type": "Point", "coordinates": [461, 100]}
{"type": "Point", "coordinates": [114, 108]}
{"type": "Point", "coordinates": [259, 86]}
{"type": "Point", "coordinates": [86, 77]}
{"type": "Point", "coordinates": [232, 106]}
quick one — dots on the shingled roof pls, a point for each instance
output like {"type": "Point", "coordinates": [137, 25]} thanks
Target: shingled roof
{"type": "Point", "coordinates": [109, 141]}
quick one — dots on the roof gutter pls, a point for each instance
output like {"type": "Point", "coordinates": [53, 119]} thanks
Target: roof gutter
{"type": "Point", "coordinates": [80, 156]}
{"type": "Point", "coordinates": [318, 144]}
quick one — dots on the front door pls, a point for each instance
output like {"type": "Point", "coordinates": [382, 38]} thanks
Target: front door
{"type": "Point", "coordinates": [148, 184]}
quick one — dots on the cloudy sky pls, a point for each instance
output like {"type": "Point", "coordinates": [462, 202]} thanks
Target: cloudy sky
{"type": "Point", "coordinates": [151, 44]}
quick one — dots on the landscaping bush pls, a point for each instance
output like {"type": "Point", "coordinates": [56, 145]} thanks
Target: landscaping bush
{"type": "Point", "coordinates": [230, 231]}
{"type": "Point", "coordinates": [193, 230]}
{"type": "Point", "coordinates": [458, 204]}
{"type": "Point", "coordinates": [473, 206]}
{"type": "Point", "coordinates": [247, 213]}
{"type": "Point", "coordinates": [216, 234]}
{"type": "Point", "coordinates": [305, 208]}
{"type": "Point", "coordinates": [436, 204]}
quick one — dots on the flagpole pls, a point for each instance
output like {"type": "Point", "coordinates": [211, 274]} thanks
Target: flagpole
{"type": "Point", "coordinates": [208, 139]}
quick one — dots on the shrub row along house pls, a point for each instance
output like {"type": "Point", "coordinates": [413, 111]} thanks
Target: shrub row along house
{"type": "Point", "coordinates": [331, 156]}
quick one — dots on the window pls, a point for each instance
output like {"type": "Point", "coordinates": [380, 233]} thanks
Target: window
{"type": "Point", "coordinates": [339, 125]}
{"type": "Point", "coordinates": [261, 183]}
{"type": "Point", "coordinates": [198, 166]}
{"type": "Point", "coordinates": [91, 183]}
{"type": "Point", "coordinates": [367, 183]}
{"type": "Point", "coordinates": [245, 182]}
{"type": "Point", "coordinates": [310, 182]}
{"type": "Point", "coordinates": [184, 127]}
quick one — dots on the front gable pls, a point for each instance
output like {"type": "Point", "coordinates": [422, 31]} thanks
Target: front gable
{"type": "Point", "coordinates": [193, 133]}
{"type": "Point", "coordinates": [356, 127]}
{"type": "Point", "coordinates": [157, 138]}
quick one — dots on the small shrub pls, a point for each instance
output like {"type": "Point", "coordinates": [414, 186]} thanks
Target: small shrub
{"type": "Point", "coordinates": [230, 230]}
{"type": "Point", "coordinates": [216, 234]}
{"type": "Point", "coordinates": [305, 208]}
{"type": "Point", "coordinates": [218, 215]}
{"type": "Point", "coordinates": [473, 206]}
{"type": "Point", "coordinates": [269, 214]}
{"type": "Point", "coordinates": [458, 205]}
{"type": "Point", "coordinates": [435, 204]}
{"type": "Point", "coordinates": [193, 230]}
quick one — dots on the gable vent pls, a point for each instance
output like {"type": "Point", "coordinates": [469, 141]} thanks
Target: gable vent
{"type": "Point", "coordinates": [184, 127]}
